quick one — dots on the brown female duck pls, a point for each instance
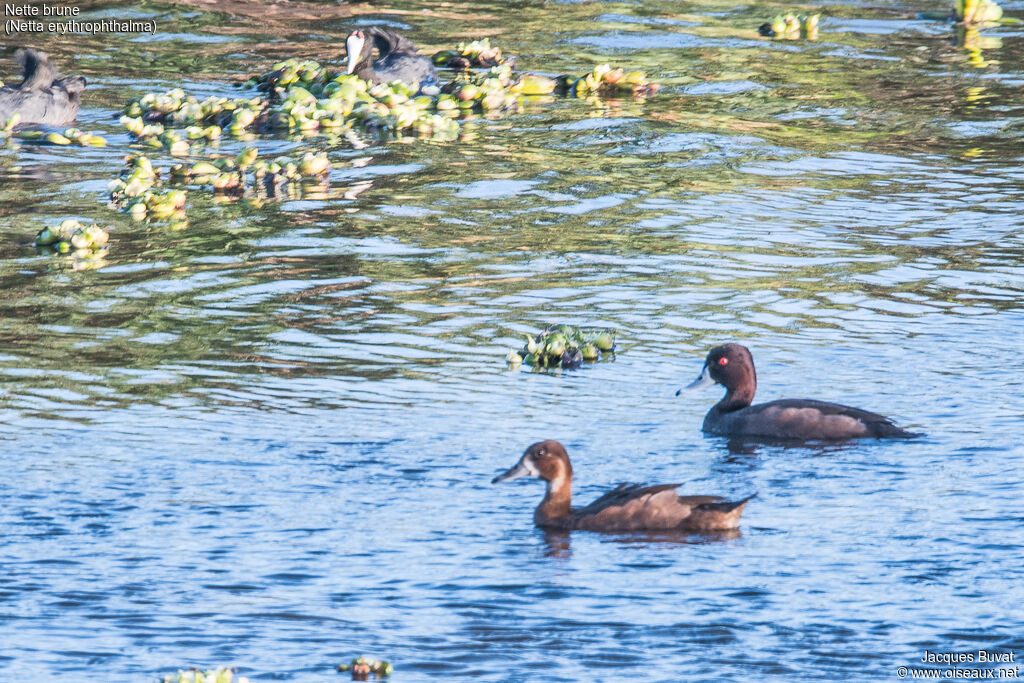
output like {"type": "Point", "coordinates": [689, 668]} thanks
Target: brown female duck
{"type": "Point", "coordinates": [732, 366]}
{"type": "Point", "coordinates": [629, 507]}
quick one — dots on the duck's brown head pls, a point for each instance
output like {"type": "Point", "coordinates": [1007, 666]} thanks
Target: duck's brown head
{"type": "Point", "coordinates": [545, 460]}
{"type": "Point", "coordinates": [730, 365]}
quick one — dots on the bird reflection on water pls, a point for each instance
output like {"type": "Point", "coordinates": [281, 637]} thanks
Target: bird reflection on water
{"type": "Point", "coordinates": [558, 544]}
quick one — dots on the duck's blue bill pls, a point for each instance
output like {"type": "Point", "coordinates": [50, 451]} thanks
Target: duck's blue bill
{"type": "Point", "coordinates": [704, 380]}
{"type": "Point", "coordinates": [517, 472]}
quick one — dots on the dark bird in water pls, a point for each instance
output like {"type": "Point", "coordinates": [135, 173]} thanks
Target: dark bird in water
{"type": "Point", "coordinates": [629, 507]}
{"type": "Point", "coordinates": [397, 58]}
{"type": "Point", "coordinates": [732, 366]}
{"type": "Point", "coordinates": [40, 97]}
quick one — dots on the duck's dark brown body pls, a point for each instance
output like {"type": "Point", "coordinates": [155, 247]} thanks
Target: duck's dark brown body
{"type": "Point", "coordinates": [802, 418]}
{"type": "Point", "coordinates": [629, 507]}
{"type": "Point", "coordinates": [732, 366]}
{"type": "Point", "coordinates": [40, 98]}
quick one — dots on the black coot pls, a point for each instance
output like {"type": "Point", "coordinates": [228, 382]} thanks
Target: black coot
{"type": "Point", "coordinates": [732, 366]}
{"type": "Point", "coordinates": [40, 98]}
{"type": "Point", "coordinates": [397, 58]}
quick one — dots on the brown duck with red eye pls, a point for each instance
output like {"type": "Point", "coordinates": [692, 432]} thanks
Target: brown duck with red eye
{"type": "Point", "coordinates": [732, 366]}
{"type": "Point", "coordinates": [629, 507]}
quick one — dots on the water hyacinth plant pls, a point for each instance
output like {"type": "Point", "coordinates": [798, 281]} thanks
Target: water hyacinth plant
{"type": "Point", "coordinates": [563, 346]}
{"type": "Point", "coordinates": [136, 192]}
{"type": "Point", "coordinates": [478, 53]}
{"type": "Point", "coordinates": [71, 136]}
{"type": "Point", "coordinates": [246, 171]}
{"type": "Point", "coordinates": [218, 675]}
{"type": "Point", "coordinates": [7, 124]}
{"type": "Point", "coordinates": [608, 82]}
{"type": "Point", "coordinates": [791, 27]}
{"type": "Point", "coordinates": [72, 236]}
{"type": "Point", "coordinates": [363, 667]}
{"type": "Point", "coordinates": [302, 97]}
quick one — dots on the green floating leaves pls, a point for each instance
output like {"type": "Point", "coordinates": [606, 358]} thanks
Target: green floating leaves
{"type": "Point", "coordinates": [218, 675]}
{"type": "Point", "coordinates": [791, 27]}
{"type": "Point", "coordinates": [363, 667]}
{"type": "Point", "coordinates": [71, 136]}
{"type": "Point", "coordinates": [85, 242]}
{"type": "Point", "coordinates": [246, 172]}
{"type": "Point", "coordinates": [608, 82]}
{"type": "Point", "coordinates": [563, 346]}
{"type": "Point", "coordinates": [478, 53]}
{"type": "Point", "coordinates": [138, 193]}
{"type": "Point", "coordinates": [302, 97]}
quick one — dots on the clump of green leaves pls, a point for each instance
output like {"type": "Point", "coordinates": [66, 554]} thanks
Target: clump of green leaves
{"type": "Point", "coordinates": [791, 27]}
{"type": "Point", "coordinates": [234, 175]}
{"type": "Point", "coordinates": [477, 53]}
{"type": "Point", "coordinates": [7, 124]}
{"type": "Point", "coordinates": [71, 136]}
{"type": "Point", "coordinates": [73, 237]}
{"type": "Point", "coordinates": [137, 192]}
{"type": "Point", "coordinates": [606, 81]}
{"type": "Point", "coordinates": [363, 667]}
{"type": "Point", "coordinates": [563, 346]}
{"type": "Point", "coordinates": [218, 675]}
{"type": "Point", "coordinates": [302, 97]}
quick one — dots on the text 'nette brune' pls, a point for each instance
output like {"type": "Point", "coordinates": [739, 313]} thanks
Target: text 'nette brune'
{"type": "Point", "coordinates": [44, 10]}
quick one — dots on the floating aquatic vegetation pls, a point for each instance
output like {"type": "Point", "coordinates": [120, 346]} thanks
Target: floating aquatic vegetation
{"type": "Point", "coordinates": [71, 136]}
{"type": "Point", "coordinates": [136, 192]}
{"type": "Point", "coordinates": [478, 53]}
{"type": "Point", "coordinates": [363, 667]}
{"type": "Point", "coordinates": [175, 121]}
{"type": "Point", "coordinates": [973, 12]}
{"type": "Point", "coordinates": [791, 27]}
{"type": "Point", "coordinates": [319, 101]}
{"type": "Point", "coordinates": [232, 176]}
{"type": "Point", "coordinates": [563, 346]}
{"type": "Point", "coordinates": [606, 81]}
{"type": "Point", "coordinates": [86, 243]}
{"type": "Point", "coordinates": [302, 97]}
{"type": "Point", "coordinates": [7, 125]}
{"type": "Point", "coordinates": [313, 98]}
{"type": "Point", "coordinates": [218, 675]}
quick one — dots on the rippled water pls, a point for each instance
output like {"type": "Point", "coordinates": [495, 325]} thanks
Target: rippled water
{"type": "Point", "coordinates": [266, 440]}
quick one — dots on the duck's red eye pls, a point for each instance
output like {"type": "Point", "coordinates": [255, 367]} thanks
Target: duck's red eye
{"type": "Point", "coordinates": [723, 361]}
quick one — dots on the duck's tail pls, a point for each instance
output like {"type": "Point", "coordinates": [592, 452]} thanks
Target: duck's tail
{"type": "Point", "coordinates": [727, 506]}
{"type": "Point", "coordinates": [887, 430]}
{"type": "Point", "coordinates": [37, 74]}
{"type": "Point", "coordinates": [716, 516]}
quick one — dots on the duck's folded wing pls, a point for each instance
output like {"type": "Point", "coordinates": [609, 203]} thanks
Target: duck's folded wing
{"type": "Point", "coordinates": [623, 493]}
{"type": "Point", "coordinates": [694, 501]}
{"type": "Point", "coordinates": [806, 415]}
{"type": "Point", "coordinates": [633, 507]}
